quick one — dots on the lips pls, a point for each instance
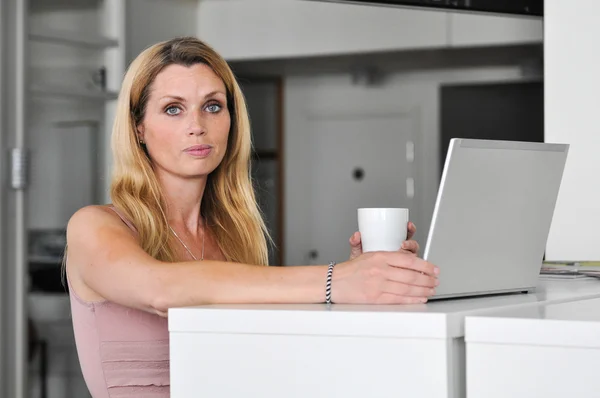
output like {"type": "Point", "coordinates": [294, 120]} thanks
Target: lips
{"type": "Point", "coordinates": [199, 150]}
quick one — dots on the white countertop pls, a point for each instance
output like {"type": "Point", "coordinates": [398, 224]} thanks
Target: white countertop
{"type": "Point", "coordinates": [566, 324]}
{"type": "Point", "coordinates": [437, 319]}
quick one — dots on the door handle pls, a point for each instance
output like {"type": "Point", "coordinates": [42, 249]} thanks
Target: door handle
{"type": "Point", "coordinates": [410, 151]}
{"type": "Point", "coordinates": [410, 187]}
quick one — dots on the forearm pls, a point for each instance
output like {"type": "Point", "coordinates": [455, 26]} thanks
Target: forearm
{"type": "Point", "coordinates": [212, 282]}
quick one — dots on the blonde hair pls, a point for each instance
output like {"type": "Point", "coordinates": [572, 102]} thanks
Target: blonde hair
{"type": "Point", "coordinates": [229, 204]}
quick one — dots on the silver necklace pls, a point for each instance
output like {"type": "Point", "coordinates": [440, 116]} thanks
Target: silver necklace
{"type": "Point", "coordinates": [185, 246]}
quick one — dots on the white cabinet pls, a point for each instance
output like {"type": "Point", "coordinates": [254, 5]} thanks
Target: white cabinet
{"type": "Point", "coordinates": [76, 63]}
{"type": "Point", "coordinates": [272, 364]}
{"type": "Point", "coordinates": [262, 29]}
{"type": "Point", "coordinates": [259, 29]}
{"type": "Point", "coordinates": [244, 30]}
{"type": "Point", "coordinates": [549, 351]}
{"type": "Point", "coordinates": [490, 30]}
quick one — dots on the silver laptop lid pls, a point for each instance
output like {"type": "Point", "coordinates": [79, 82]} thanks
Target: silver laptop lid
{"type": "Point", "coordinates": [493, 214]}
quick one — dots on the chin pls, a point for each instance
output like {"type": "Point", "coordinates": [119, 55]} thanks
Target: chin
{"type": "Point", "coordinates": [197, 169]}
{"type": "Point", "coordinates": [203, 173]}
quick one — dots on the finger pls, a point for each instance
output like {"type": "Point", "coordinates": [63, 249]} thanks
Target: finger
{"type": "Point", "coordinates": [403, 260]}
{"type": "Point", "coordinates": [355, 239]}
{"type": "Point", "coordinates": [410, 277]}
{"type": "Point", "coordinates": [402, 289]}
{"type": "Point", "coordinates": [412, 229]}
{"type": "Point", "coordinates": [388, 298]}
{"type": "Point", "coordinates": [411, 246]}
{"type": "Point", "coordinates": [355, 246]}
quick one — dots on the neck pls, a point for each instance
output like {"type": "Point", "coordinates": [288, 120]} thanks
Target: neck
{"type": "Point", "coordinates": [183, 198]}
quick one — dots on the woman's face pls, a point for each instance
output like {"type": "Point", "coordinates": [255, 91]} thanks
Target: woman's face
{"type": "Point", "coordinates": [186, 122]}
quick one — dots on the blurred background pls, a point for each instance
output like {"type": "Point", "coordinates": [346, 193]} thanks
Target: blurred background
{"type": "Point", "coordinates": [351, 106]}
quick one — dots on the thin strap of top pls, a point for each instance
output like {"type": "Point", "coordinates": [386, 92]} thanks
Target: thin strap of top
{"type": "Point", "coordinates": [125, 219]}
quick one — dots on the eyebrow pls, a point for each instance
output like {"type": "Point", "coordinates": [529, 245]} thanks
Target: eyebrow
{"type": "Point", "coordinates": [181, 99]}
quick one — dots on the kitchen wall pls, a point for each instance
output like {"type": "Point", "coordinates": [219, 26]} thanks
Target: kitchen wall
{"type": "Point", "coordinates": [571, 116]}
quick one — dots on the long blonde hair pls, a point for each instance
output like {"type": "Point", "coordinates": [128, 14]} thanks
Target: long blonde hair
{"type": "Point", "coordinates": [229, 203]}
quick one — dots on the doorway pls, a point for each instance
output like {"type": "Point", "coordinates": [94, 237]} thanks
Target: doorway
{"type": "Point", "coordinates": [349, 146]}
{"type": "Point", "coordinates": [264, 99]}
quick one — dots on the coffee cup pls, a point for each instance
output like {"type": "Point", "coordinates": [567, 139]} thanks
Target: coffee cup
{"type": "Point", "coordinates": [382, 229]}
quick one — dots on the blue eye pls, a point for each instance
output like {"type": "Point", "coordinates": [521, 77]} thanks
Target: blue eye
{"type": "Point", "coordinates": [173, 110]}
{"type": "Point", "coordinates": [214, 108]}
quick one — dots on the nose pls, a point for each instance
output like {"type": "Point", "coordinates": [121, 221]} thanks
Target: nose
{"type": "Point", "coordinates": [196, 126]}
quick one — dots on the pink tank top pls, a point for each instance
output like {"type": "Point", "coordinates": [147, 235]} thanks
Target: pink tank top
{"type": "Point", "coordinates": [123, 352]}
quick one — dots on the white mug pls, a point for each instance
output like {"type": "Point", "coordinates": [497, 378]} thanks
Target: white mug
{"type": "Point", "coordinates": [382, 229]}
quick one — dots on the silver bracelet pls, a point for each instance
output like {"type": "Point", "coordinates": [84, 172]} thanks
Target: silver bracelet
{"type": "Point", "coordinates": [328, 284]}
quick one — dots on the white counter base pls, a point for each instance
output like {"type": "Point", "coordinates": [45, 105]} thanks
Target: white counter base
{"type": "Point", "coordinates": [276, 351]}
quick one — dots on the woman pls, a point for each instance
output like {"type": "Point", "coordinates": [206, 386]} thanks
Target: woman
{"type": "Point", "coordinates": [184, 228]}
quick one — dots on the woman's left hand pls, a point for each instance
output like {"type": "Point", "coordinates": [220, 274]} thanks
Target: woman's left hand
{"type": "Point", "coordinates": [408, 245]}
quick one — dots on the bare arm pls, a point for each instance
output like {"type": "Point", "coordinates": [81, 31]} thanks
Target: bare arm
{"type": "Point", "coordinates": [104, 255]}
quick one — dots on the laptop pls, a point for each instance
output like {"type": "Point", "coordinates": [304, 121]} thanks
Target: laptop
{"type": "Point", "coordinates": [492, 215]}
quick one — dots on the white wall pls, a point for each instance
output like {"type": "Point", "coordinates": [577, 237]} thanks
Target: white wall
{"type": "Point", "coordinates": [151, 21]}
{"type": "Point", "coordinates": [572, 61]}
{"type": "Point", "coordinates": [301, 93]}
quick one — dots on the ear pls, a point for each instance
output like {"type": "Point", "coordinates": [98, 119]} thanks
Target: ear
{"type": "Point", "coordinates": [140, 133]}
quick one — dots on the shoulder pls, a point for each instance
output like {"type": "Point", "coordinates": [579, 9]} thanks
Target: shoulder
{"type": "Point", "coordinates": [90, 220]}
{"type": "Point", "coordinates": [91, 215]}
{"type": "Point", "coordinates": [96, 235]}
